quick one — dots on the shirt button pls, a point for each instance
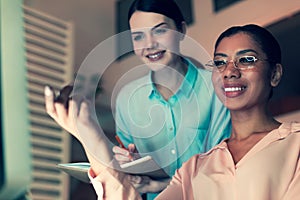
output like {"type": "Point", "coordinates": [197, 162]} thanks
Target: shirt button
{"type": "Point", "coordinates": [173, 151]}
{"type": "Point", "coordinates": [171, 129]}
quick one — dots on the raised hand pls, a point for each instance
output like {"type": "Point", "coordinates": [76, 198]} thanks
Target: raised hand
{"type": "Point", "coordinates": [75, 116]}
{"type": "Point", "coordinates": [58, 108]}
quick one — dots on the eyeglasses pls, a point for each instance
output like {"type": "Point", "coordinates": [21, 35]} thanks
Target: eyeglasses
{"type": "Point", "coordinates": [241, 63]}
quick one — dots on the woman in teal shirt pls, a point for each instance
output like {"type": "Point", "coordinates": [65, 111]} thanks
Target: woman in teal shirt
{"type": "Point", "coordinates": [171, 112]}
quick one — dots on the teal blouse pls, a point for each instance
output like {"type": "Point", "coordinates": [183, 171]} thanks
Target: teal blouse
{"type": "Point", "coordinates": [191, 121]}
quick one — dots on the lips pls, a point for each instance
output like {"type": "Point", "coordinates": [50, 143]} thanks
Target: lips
{"type": "Point", "coordinates": [234, 90]}
{"type": "Point", "coordinates": [155, 56]}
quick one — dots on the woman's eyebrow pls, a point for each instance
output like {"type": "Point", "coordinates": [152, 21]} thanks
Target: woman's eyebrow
{"type": "Point", "coordinates": [241, 52]}
{"type": "Point", "coordinates": [154, 27]}
{"type": "Point", "coordinates": [158, 25]}
{"type": "Point", "coordinates": [245, 51]}
{"type": "Point", "coordinates": [136, 32]}
{"type": "Point", "coordinates": [220, 54]}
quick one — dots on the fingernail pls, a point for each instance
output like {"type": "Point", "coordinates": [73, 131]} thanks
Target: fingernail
{"type": "Point", "coordinates": [47, 91]}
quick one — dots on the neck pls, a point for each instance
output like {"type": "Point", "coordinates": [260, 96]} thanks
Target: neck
{"type": "Point", "coordinates": [254, 121]}
{"type": "Point", "coordinates": [170, 77]}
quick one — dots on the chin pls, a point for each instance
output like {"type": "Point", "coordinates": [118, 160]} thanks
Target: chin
{"type": "Point", "coordinates": [231, 105]}
{"type": "Point", "coordinates": [155, 66]}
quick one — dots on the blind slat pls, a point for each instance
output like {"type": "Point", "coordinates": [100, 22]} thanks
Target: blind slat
{"type": "Point", "coordinates": [49, 53]}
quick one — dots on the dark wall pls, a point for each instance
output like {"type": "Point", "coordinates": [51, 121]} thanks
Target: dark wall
{"type": "Point", "coordinates": [286, 96]}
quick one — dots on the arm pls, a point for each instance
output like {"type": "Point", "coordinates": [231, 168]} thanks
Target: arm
{"type": "Point", "coordinates": [183, 183]}
{"type": "Point", "coordinates": [181, 186]}
{"type": "Point", "coordinates": [111, 184]}
{"type": "Point", "coordinates": [77, 119]}
{"type": "Point", "coordinates": [173, 191]}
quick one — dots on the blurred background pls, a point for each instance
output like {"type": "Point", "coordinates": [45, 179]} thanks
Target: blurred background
{"type": "Point", "coordinates": [88, 23]}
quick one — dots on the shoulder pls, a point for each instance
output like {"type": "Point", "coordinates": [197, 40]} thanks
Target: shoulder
{"type": "Point", "coordinates": [289, 128]}
{"type": "Point", "coordinates": [295, 127]}
{"type": "Point", "coordinates": [292, 131]}
{"type": "Point", "coordinates": [190, 166]}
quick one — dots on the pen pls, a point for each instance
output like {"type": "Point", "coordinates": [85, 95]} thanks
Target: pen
{"type": "Point", "coordinates": [120, 142]}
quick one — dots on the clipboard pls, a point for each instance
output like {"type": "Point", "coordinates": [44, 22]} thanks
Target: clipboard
{"type": "Point", "coordinates": [76, 170]}
{"type": "Point", "coordinates": [144, 166]}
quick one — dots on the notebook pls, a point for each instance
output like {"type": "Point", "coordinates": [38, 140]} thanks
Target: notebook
{"type": "Point", "coordinates": [145, 166]}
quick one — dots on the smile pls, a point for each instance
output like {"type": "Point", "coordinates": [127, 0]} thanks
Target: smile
{"type": "Point", "coordinates": [234, 89]}
{"type": "Point", "coordinates": [155, 56]}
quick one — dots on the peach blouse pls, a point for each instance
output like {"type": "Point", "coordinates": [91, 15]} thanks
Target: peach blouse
{"type": "Point", "coordinates": [270, 170]}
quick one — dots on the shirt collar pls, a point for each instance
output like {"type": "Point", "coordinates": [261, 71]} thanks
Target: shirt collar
{"type": "Point", "coordinates": [152, 89]}
{"type": "Point", "coordinates": [280, 133]}
{"type": "Point", "coordinates": [186, 86]}
{"type": "Point", "coordinates": [190, 78]}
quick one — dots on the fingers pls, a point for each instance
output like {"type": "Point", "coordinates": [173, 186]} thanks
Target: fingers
{"type": "Point", "coordinates": [120, 150]}
{"type": "Point", "coordinates": [57, 109]}
{"type": "Point", "coordinates": [126, 155]}
{"type": "Point", "coordinates": [141, 183]}
{"type": "Point", "coordinates": [131, 148]}
{"type": "Point", "coordinates": [64, 95]}
{"type": "Point", "coordinates": [133, 152]}
{"type": "Point", "coordinates": [73, 109]}
{"type": "Point", "coordinates": [135, 179]}
{"type": "Point", "coordinates": [122, 155]}
{"type": "Point", "coordinates": [84, 111]}
{"type": "Point", "coordinates": [61, 113]}
{"type": "Point", "coordinates": [49, 101]}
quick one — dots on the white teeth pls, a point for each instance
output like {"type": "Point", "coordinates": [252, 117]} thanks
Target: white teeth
{"type": "Point", "coordinates": [233, 89]}
{"type": "Point", "coordinates": [153, 56]}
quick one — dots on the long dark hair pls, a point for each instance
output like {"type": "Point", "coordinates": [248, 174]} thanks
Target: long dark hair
{"type": "Point", "coordinates": [165, 7]}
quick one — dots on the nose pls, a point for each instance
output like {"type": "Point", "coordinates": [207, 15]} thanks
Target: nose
{"type": "Point", "coordinates": [231, 71]}
{"type": "Point", "coordinates": [151, 42]}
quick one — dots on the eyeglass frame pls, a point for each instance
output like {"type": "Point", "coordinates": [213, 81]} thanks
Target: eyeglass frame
{"type": "Point", "coordinates": [236, 62]}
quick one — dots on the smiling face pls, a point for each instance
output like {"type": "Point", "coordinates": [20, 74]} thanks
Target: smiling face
{"type": "Point", "coordinates": [247, 88]}
{"type": "Point", "coordinates": [155, 39]}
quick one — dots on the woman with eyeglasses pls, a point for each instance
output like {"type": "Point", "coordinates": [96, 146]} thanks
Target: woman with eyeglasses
{"type": "Point", "coordinates": [172, 113]}
{"type": "Point", "coordinates": [260, 160]}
